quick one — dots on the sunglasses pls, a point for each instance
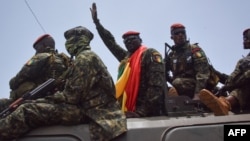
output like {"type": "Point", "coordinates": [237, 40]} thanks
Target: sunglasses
{"type": "Point", "coordinates": [179, 32]}
{"type": "Point", "coordinates": [130, 38]}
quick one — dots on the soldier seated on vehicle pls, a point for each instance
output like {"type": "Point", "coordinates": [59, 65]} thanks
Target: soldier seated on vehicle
{"type": "Point", "coordinates": [189, 66]}
{"type": "Point", "coordinates": [237, 84]}
{"type": "Point", "coordinates": [140, 85]}
{"type": "Point", "coordinates": [88, 97]}
{"type": "Point", "coordinates": [46, 63]}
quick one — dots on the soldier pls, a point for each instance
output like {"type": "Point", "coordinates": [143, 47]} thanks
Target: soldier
{"type": "Point", "coordinates": [140, 84]}
{"type": "Point", "coordinates": [46, 63]}
{"type": "Point", "coordinates": [189, 65]}
{"type": "Point", "coordinates": [88, 97]}
{"type": "Point", "coordinates": [237, 84]}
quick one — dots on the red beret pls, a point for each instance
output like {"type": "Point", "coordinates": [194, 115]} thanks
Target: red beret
{"type": "Point", "coordinates": [177, 25]}
{"type": "Point", "coordinates": [128, 33]}
{"type": "Point", "coordinates": [40, 38]}
{"type": "Point", "coordinates": [245, 31]}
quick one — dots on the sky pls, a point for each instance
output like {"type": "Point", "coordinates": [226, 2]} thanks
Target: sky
{"type": "Point", "coordinates": [217, 26]}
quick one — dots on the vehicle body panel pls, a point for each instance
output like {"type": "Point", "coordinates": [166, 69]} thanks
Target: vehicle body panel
{"type": "Point", "coordinates": [162, 128]}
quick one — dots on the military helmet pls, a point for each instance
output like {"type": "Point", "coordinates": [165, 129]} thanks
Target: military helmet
{"type": "Point", "coordinates": [78, 31]}
{"type": "Point", "coordinates": [44, 41]}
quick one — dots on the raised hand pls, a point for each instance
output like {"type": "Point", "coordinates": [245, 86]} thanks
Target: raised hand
{"type": "Point", "coordinates": [94, 13]}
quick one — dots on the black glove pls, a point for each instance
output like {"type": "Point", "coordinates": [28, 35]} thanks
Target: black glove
{"type": "Point", "coordinates": [94, 13]}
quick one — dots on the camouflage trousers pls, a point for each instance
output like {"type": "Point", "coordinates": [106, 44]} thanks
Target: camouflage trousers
{"type": "Point", "coordinates": [29, 116]}
{"type": "Point", "coordinates": [243, 96]}
{"type": "Point", "coordinates": [110, 118]}
{"type": "Point", "coordinates": [184, 86]}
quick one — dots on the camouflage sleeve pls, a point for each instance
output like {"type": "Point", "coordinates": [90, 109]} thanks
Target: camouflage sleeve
{"type": "Point", "coordinates": [32, 69]}
{"type": "Point", "coordinates": [236, 72]}
{"type": "Point", "coordinates": [201, 67]}
{"type": "Point", "coordinates": [82, 81]}
{"type": "Point", "coordinates": [240, 73]}
{"type": "Point", "coordinates": [152, 84]}
{"type": "Point", "coordinates": [110, 42]}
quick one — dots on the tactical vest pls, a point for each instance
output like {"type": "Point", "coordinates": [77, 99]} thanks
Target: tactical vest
{"type": "Point", "coordinates": [182, 65]}
{"type": "Point", "coordinates": [56, 67]}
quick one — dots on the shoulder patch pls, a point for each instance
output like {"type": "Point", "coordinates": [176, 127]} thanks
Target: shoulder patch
{"type": "Point", "coordinates": [38, 57]}
{"type": "Point", "coordinates": [156, 57]}
{"type": "Point", "coordinates": [29, 62]}
{"type": "Point", "coordinates": [197, 51]}
{"type": "Point", "coordinates": [198, 54]}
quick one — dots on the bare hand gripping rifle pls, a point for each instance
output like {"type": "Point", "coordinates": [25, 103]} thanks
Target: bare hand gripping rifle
{"type": "Point", "coordinates": [39, 91]}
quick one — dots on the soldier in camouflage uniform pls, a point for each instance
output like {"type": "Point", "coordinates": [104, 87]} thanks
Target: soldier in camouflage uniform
{"type": "Point", "coordinates": [142, 91]}
{"type": "Point", "coordinates": [88, 97]}
{"type": "Point", "coordinates": [46, 63]}
{"type": "Point", "coordinates": [188, 64]}
{"type": "Point", "coordinates": [237, 84]}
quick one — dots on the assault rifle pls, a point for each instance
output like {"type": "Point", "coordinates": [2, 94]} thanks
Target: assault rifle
{"type": "Point", "coordinates": [167, 50]}
{"type": "Point", "coordinates": [39, 91]}
{"type": "Point", "coordinates": [184, 106]}
{"type": "Point", "coordinates": [168, 78]}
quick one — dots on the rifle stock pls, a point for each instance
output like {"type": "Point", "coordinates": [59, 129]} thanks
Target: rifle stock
{"type": "Point", "coordinates": [39, 91]}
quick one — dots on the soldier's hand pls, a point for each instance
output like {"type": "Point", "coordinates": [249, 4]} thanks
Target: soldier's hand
{"type": "Point", "coordinates": [94, 13]}
{"type": "Point", "coordinates": [223, 89]}
{"type": "Point", "coordinates": [56, 98]}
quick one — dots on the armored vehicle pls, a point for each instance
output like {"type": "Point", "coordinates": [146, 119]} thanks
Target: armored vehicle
{"type": "Point", "coordinates": [185, 120]}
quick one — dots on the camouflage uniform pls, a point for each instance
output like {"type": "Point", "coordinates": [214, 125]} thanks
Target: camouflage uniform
{"type": "Point", "coordinates": [189, 67]}
{"type": "Point", "coordinates": [38, 69]}
{"type": "Point", "coordinates": [151, 85]}
{"type": "Point", "coordinates": [240, 79]}
{"type": "Point", "coordinates": [237, 83]}
{"type": "Point", "coordinates": [88, 97]}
